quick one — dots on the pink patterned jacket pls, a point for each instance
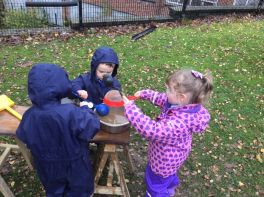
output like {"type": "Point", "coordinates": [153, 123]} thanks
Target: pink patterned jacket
{"type": "Point", "coordinates": [170, 135]}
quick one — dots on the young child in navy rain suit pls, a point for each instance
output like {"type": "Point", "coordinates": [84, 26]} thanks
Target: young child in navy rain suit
{"type": "Point", "coordinates": [57, 134]}
{"type": "Point", "coordinates": [90, 85]}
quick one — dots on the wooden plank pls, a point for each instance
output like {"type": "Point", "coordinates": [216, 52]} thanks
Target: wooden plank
{"type": "Point", "coordinates": [110, 148]}
{"type": "Point", "coordinates": [8, 122]}
{"type": "Point", "coordinates": [22, 148]}
{"type": "Point", "coordinates": [108, 190]}
{"type": "Point", "coordinates": [5, 189]}
{"type": "Point", "coordinates": [3, 156]}
{"type": "Point", "coordinates": [117, 166]}
{"type": "Point", "coordinates": [99, 153]}
{"type": "Point", "coordinates": [110, 174]}
{"type": "Point", "coordinates": [111, 138]}
{"type": "Point", "coordinates": [121, 176]}
{"type": "Point", "coordinates": [100, 168]}
{"type": "Point", "coordinates": [12, 146]}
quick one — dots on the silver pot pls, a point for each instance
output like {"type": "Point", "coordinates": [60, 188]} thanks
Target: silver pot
{"type": "Point", "coordinates": [115, 121]}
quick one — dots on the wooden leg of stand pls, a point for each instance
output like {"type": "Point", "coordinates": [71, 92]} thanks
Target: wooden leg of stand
{"type": "Point", "coordinates": [5, 189]}
{"type": "Point", "coordinates": [98, 155]}
{"type": "Point", "coordinates": [129, 159]}
{"type": "Point", "coordinates": [110, 151]}
{"type": "Point", "coordinates": [120, 174]}
{"type": "Point", "coordinates": [3, 156]}
{"type": "Point", "coordinates": [110, 176]}
{"type": "Point", "coordinates": [100, 168]}
{"type": "Point", "coordinates": [26, 153]}
{"type": "Point", "coordinates": [7, 149]}
{"type": "Point", "coordinates": [3, 186]}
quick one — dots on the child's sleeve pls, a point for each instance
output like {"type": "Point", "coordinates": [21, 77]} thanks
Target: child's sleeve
{"type": "Point", "coordinates": [154, 97]}
{"type": "Point", "coordinates": [77, 84]}
{"type": "Point", "coordinates": [162, 130]}
{"type": "Point", "coordinates": [85, 123]}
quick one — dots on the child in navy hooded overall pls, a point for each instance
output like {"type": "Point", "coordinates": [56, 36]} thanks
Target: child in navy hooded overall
{"type": "Point", "coordinates": [57, 134]}
{"type": "Point", "coordinates": [91, 86]}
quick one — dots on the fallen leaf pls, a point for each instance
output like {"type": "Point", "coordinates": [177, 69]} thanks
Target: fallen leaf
{"type": "Point", "coordinates": [240, 184]}
{"type": "Point", "coordinates": [258, 157]}
{"type": "Point", "coordinates": [12, 183]}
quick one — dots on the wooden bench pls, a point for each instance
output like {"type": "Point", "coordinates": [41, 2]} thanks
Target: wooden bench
{"type": "Point", "coordinates": [8, 126]}
{"type": "Point", "coordinates": [109, 151]}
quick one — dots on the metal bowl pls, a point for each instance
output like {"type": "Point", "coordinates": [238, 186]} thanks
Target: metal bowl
{"type": "Point", "coordinates": [114, 128]}
{"type": "Point", "coordinates": [115, 121]}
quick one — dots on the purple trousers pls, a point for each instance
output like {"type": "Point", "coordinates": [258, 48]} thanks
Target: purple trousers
{"type": "Point", "coordinates": [157, 186]}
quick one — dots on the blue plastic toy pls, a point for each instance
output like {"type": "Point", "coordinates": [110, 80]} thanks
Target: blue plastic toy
{"type": "Point", "coordinates": [102, 109]}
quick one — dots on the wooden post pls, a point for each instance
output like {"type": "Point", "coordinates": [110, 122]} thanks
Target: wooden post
{"type": "Point", "coordinates": [5, 189]}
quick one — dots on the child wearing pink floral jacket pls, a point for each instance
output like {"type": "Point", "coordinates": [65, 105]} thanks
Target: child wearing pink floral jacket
{"type": "Point", "coordinates": [170, 134]}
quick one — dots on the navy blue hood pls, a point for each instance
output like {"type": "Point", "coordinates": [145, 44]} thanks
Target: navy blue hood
{"type": "Point", "coordinates": [47, 83]}
{"type": "Point", "coordinates": [104, 55]}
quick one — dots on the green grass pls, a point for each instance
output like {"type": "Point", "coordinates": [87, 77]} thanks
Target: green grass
{"type": "Point", "coordinates": [224, 159]}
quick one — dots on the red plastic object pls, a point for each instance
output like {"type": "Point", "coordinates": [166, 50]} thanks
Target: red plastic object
{"type": "Point", "coordinates": [113, 98]}
{"type": "Point", "coordinates": [117, 103]}
{"type": "Point", "coordinates": [113, 103]}
{"type": "Point", "coordinates": [132, 97]}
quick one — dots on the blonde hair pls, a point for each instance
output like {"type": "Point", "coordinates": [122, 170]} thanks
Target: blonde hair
{"type": "Point", "coordinates": [186, 81]}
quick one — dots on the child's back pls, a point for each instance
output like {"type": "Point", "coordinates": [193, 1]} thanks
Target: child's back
{"type": "Point", "coordinates": [57, 134]}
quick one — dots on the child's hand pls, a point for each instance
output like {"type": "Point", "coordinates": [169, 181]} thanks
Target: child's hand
{"type": "Point", "coordinates": [83, 94]}
{"type": "Point", "coordinates": [126, 100]}
{"type": "Point", "coordinates": [137, 94]}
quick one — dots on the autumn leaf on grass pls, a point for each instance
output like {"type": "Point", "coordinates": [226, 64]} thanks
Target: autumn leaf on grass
{"type": "Point", "coordinates": [29, 38]}
{"type": "Point", "coordinates": [258, 157]}
{"type": "Point", "coordinates": [239, 146]}
{"type": "Point", "coordinates": [89, 53]}
{"type": "Point", "coordinates": [240, 184]}
{"type": "Point", "coordinates": [12, 183]}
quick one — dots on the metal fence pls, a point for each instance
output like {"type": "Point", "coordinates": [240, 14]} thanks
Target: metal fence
{"type": "Point", "coordinates": [28, 14]}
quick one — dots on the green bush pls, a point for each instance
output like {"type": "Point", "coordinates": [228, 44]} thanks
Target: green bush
{"type": "Point", "coordinates": [22, 19]}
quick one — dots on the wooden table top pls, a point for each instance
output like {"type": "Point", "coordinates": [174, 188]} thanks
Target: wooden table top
{"type": "Point", "coordinates": [9, 124]}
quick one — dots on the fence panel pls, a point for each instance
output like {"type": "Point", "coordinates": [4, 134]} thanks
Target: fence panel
{"type": "Point", "coordinates": [16, 14]}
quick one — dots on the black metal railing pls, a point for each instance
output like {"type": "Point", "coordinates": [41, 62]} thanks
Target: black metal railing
{"type": "Point", "coordinates": [15, 14]}
{"type": "Point", "coordinates": [63, 4]}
